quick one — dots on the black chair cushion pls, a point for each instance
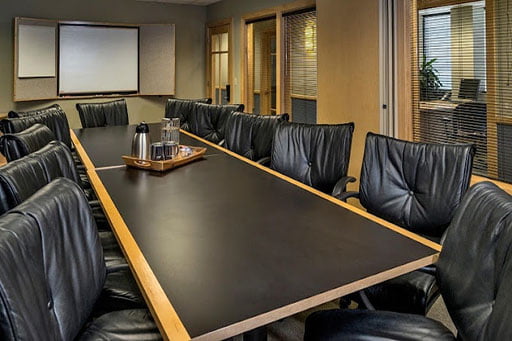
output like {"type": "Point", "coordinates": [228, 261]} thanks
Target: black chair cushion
{"type": "Point", "coordinates": [474, 270]}
{"type": "Point", "coordinates": [136, 325]}
{"type": "Point", "coordinates": [71, 253]}
{"type": "Point", "coordinates": [208, 121]}
{"type": "Point", "coordinates": [45, 110]}
{"type": "Point", "coordinates": [20, 179]}
{"type": "Point", "coordinates": [251, 135]}
{"type": "Point", "coordinates": [57, 161]}
{"type": "Point", "coordinates": [316, 155]}
{"type": "Point", "coordinates": [53, 117]}
{"type": "Point", "coordinates": [364, 325]}
{"type": "Point", "coordinates": [17, 145]}
{"type": "Point", "coordinates": [113, 113]}
{"type": "Point", "coordinates": [25, 298]}
{"type": "Point", "coordinates": [182, 108]}
{"type": "Point", "coordinates": [415, 185]}
{"type": "Point", "coordinates": [413, 293]}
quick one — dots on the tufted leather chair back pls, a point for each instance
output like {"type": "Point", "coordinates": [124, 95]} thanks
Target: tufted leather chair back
{"type": "Point", "coordinates": [57, 161]}
{"type": "Point", "coordinates": [208, 121]}
{"type": "Point", "coordinates": [474, 270]}
{"type": "Point", "coordinates": [45, 110]}
{"type": "Point", "coordinates": [417, 186]}
{"type": "Point", "coordinates": [25, 297]}
{"type": "Point", "coordinates": [251, 135]}
{"type": "Point", "coordinates": [17, 145]}
{"type": "Point", "coordinates": [20, 179]}
{"type": "Point", "coordinates": [182, 108]}
{"type": "Point", "coordinates": [53, 117]}
{"type": "Point", "coordinates": [72, 257]}
{"type": "Point", "coordinates": [314, 154]}
{"type": "Point", "coordinates": [113, 113]}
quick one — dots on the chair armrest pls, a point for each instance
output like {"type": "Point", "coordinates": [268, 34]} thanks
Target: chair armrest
{"type": "Point", "coordinates": [222, 143]}
{"type": "Point", "coordinates": [265, 161]}
{"type": "Point", "coordinates": [346, 195]}
{"type": "Point", "coordinates": [341, 185]}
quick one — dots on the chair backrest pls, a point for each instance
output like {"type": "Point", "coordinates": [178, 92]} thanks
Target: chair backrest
{"type": "Point", "coordinates": [181, 108]}
{"type": "Point", "coordinates": [53, 117]}
{"type": "Point", "coordinates": [113, 113]}
{"type": "Point", "coordinates": [470, 117]}
{"type": "Point", "coordinates": [17, 145]}
{"type": "Point", "coordinates": [23, 177]}
{"type": "Point", "coordinates": [251, 135]}
{"type": "Point", "coordinates": [474, 270]}
{"type": "Point", "coordinates": [57, 162]}
{"type": "Point", "coordinates": [19, 180]}
{"type": "Point", "coordinates": [208, 121]}
{"type": "Point", "coordinates": [71, 253]}
{"type": "Point", "coordinates": [314, 154]}
{"type": "Point", "coordinates": [417, 186]}
{"type": "Point", "coordinates": [45, 110]}
{"type": "Point", "coordinates": [25, 297]}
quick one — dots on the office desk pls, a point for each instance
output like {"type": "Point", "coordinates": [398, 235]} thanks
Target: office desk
{"type": "Point", "coordinates": [104, 146]}
{"type": "Point", "coordinates": [223, 245]}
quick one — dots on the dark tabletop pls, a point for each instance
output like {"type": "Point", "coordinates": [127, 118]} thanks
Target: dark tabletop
{"type": "Point", "coordinates": [106, 145]}
{"type": "Point", "coordinates": [228, 241]}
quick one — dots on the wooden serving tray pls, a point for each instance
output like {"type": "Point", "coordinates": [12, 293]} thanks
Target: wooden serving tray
{"type": "Point", "coordinates": [162, 166]}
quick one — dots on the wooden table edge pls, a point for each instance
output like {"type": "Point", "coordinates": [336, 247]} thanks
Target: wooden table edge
{"type": "Point", "coordinates": [313, 301]}
{"type": "Point", "coordinates": [165, 315]}
{"type": "Point", "coordinates": [81, 151]}
{"type": "Point", "coordinates": [332, 199]}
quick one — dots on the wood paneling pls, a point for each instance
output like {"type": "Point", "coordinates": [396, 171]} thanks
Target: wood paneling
{"type": "Point", "coordinates": [348, 69]}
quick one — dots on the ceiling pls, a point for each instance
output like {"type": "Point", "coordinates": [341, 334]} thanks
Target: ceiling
{"type": "Point", "coordinates": [187, 2]}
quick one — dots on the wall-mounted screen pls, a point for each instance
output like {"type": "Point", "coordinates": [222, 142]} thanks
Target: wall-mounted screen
{"type": "Point", "coordinates": [98, 59]}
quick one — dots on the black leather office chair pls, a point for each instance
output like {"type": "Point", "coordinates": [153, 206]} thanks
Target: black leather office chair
{"type": "Point", "coordinates": [52, 273]}
{"type": "Point", "coordinates": [208, 121]}
{"type": "Point", "coordinates": [17, 145]}
{"type": "Point", "coordinates": [417, 186]}
{"type": "Point", "coordinates": [251, 135]}
{"type": "Point", "coordinates": [45, 110]}
{"type": "Point", "coordinates": [53, 117]}
{"type": "Point", "coordinates": [314, 154]}
{"type": "Point", "coordinates": [113, 113]}
{"type": "Point", "coordinates": [474, 273]}
{"type": "Point", "coordinates": [21, 178]}
{"type": "Point", "coordinates": [182, 108]}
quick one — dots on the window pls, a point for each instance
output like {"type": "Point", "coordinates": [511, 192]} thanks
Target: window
{"type": "Point", "coordinates": [451, 99]}
{"type": "Point", "coordinates": [300, 67]}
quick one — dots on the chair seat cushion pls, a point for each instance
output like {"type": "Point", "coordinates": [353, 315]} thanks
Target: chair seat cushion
{"type": "Point", "coordinates": [120, 292]}
{"type": "Point", "coordinates": [111, 251]}
{"type": "Point", "coordinates": [372, 325]}
{"type": "Point", "coordinates": [136, 325]}
{"type": "Point", "coordinates": [413, 293]}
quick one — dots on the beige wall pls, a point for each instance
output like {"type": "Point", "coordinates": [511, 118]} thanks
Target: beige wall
{"type": "Point", "coordinates": [190, 46]}
{"type": "Point", "coordinates": [348, 68]}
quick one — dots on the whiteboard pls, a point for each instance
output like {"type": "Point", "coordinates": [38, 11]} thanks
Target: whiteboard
{"type": "Point", "coordinates": [98, 59]}
{"type": "Point", "coordinates": [36, 51]}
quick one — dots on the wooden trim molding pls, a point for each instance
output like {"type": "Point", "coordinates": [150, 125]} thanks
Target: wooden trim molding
{"type": "Point", "coordinates": [330, 198]}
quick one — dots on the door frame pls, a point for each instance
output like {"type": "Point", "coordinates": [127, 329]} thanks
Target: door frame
{"type": "Point", "coordinates": [211, 28]}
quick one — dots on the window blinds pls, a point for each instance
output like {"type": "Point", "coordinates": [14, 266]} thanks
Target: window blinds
{"type": "Point", "coordinates": [461, 76]}
{"type": "Point", "coordinates": [300, 67]}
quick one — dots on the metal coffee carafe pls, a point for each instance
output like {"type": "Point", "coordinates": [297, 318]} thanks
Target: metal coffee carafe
{"type": "Point", "coordinates": [141, 142]}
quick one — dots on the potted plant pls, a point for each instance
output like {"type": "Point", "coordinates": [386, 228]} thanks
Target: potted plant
{"type": "Point", "coordinates": [429, 80]}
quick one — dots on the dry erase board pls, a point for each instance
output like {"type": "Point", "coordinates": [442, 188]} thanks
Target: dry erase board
{"type": "Point", "coordinates": [94, 59]}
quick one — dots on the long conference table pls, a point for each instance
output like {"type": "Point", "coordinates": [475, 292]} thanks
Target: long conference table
{"type": "Point", "coordinates": [222, 246]}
